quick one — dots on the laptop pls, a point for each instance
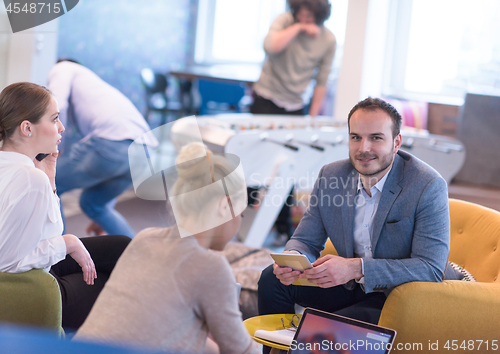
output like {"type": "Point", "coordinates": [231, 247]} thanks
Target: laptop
{"type": "Point", "coordinates": [323, 332]}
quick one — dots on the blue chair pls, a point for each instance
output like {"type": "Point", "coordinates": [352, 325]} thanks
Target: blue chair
{"type": "Point", "coordinates": [22, 340]}
{"type": "Point", "coordinates": [220, 97]}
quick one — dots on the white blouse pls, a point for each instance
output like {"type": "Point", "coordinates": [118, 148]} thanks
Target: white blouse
{"type": "Point", "coordinates": [30, 219]}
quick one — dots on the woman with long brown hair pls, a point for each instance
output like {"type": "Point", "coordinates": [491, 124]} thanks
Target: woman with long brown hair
{"type": "Point", "coordinates": [30, 219]}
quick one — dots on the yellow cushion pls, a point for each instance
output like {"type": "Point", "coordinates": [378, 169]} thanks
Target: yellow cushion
{"type": "Point", "coordinates": [454, 310]}
{"type": "Point", "coordinates": [475, 239]}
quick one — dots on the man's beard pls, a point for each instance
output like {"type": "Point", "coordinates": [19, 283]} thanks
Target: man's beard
{"type": "Point", "coordinates": [385, 163]}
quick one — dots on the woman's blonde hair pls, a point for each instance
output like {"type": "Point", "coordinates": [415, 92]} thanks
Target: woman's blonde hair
{"type": "Point", "coordinates": [198, 167]}
{"type": "Point", "coordinates": [19, 102]}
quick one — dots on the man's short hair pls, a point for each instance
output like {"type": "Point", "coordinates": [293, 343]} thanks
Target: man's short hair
{"type": "Point", "coordinates": [320, 8]}
{"type": "Point", "coordinates": [372, 104]}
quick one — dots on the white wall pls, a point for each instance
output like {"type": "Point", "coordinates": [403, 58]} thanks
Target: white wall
{"type": "Point", "coordinates": [27, 55]}
{"type": "Point", "coordinates": [4, 44]}
{"type": "Point", "coordinates": [361, 74]}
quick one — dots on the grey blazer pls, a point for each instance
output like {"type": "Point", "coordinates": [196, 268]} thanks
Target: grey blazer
{"type": "Point", "coordinates": [411, 230]}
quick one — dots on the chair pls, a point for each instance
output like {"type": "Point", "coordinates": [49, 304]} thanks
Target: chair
{"type": "Point", "coordinates": [18, 340]}
{"type": "Point", "coordinates": [156, 95]}
{"type": "Point", "coordinates": [31, 298]}
{"type": "Point", "coordinates": [186, 97]}
{"type": "Point", "coordinates": [454, 310]}
{"type": "Point", "coordinates": [219, 97]}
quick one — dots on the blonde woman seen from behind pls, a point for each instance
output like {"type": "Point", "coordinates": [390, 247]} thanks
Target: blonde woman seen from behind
{"type": "Point", "coordinates": [169, 290]}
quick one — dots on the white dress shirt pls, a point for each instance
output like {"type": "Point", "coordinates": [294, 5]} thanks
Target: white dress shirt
{"type": "Point", "coordinates": [30, 218]}
{"type": "Point", "coordinates": [364, 213]}
{"type": "Point", "coordinates": [99, 109]}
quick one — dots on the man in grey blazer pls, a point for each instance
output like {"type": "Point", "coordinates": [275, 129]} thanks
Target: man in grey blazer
{"type": "Point", "coordinates": [386, 213]}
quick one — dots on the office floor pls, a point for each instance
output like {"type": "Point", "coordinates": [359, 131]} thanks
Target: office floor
{"type": "Point", "coordinates": [142, 214]}
{"type": "Point", "coordinates": [488, 197]}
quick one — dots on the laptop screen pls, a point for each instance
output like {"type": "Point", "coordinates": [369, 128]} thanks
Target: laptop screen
{"type": "Point", "coordinates": [322, 332]}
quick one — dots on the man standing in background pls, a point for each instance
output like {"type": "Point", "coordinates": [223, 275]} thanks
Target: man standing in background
{"type": "Point", "coordinates": [298, 48]}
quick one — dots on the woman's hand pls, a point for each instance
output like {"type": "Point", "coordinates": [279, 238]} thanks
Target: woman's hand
{"type": "Point", "coordinates": [79, 253]}
{"type": "Point", "coordinates": [48, 165]}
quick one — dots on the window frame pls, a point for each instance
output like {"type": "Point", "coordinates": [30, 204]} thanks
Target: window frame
{"type": "Point", "coordinates": [396, 63]}
{"type": "Point", "coordinates": [203, 43]}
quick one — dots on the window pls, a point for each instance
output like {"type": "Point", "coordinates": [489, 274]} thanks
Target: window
{"type": "Point", "coordinates": [233, 31]}
{"type": "Point", "coordinates": [337, 24]}
{"type": "Point", "coordinates": [443, 49]}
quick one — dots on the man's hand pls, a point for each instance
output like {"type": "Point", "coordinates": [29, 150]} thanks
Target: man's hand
{"type": "Point", "coordinates": [330, 270]}
{"type": "Point", "coordinates": [311, 29]}
{"type": "Point", "coordinates": [79, 253]}
{"type": "Point", "coordinates": [286, 275]}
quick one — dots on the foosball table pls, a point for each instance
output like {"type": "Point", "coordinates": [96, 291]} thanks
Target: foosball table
{"type": "Point", "coordinates": [281, 152]}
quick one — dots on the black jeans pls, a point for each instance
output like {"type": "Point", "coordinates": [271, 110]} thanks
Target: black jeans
{"type": "Point", "coordinates": [262, 105]}
{"type": "Point", "coordinates": [274, 297]}
{"type": "Point", "coordinates": [78, 297]}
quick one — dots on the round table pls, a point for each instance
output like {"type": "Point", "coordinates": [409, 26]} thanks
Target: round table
{"type": "Point", "coordinates": [268, 323]}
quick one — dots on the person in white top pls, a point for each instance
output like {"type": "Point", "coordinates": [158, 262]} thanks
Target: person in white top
{"type": "Point", "coordinates": [30, 221]}
{"type": "Point", "coordinates": [107, 123]}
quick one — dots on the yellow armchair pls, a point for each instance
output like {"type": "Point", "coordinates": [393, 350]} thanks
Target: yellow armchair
{"type": "Point", "coordinates": [454, 314]}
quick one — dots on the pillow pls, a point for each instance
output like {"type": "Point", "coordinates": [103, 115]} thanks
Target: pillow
{"type": "Point", "coordinates": [414, 113]}
{"type": "Point", "coordinates": [456, 272]}
{"type": "Point", "coordinates": [247, 264]}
